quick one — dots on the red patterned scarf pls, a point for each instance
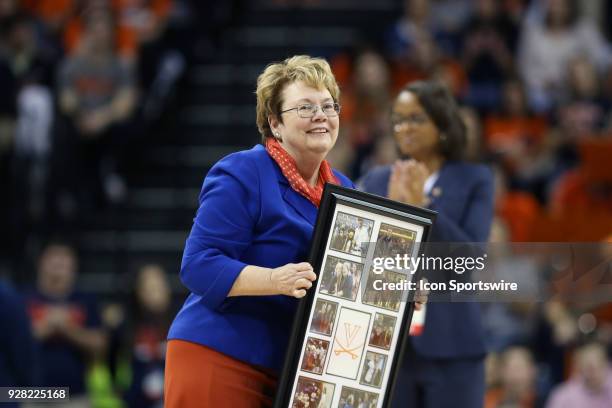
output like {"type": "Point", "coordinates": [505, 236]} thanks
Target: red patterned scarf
{"type": "Point", "coordinates": [297, 182]}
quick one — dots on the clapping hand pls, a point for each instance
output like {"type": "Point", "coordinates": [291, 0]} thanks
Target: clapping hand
{"type": "Point", "coordinates": [407, 182]}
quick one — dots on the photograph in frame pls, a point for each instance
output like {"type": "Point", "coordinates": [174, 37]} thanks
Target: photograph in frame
{"type": "Point", "coordinates": [382, 331]}
{"type": "Point", "coordinates": [315, 355]}
{"type": "Point", "coordinates": [324, 317]}
{"type": "Point", "coordinates": [388, 299]}
{"type": "Point", "coordinates": [351, 234]}
{"type": "Point", "coordinates": [394, 240]}
{"type": "Point", "coordinates": [352, 397]}
{"type": "Point", "coordinates": [373, 369]}
{"type": "Point", "coordinates": [341, 278]}
{"type": "Point", "coordinates": [313, 393]}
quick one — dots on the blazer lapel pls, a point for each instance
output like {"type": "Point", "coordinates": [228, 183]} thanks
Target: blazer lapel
{"type": "Point", "coordinates": [304, 207]}
{"type": "Point", "coordinates": [437, 191]}
{"type": "Point", "coordinates": [299, 203]}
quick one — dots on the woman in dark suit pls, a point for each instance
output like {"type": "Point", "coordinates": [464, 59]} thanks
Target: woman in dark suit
{"type": "Point", "coordinates": [445, 365]}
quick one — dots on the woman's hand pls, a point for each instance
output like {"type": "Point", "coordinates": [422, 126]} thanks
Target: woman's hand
{"type": "Point", "coordinates": [293, 279]}
{"type": "Point", "coordinates": [396, 183]}
{"type": "Point", "coordinates": [407, 182]}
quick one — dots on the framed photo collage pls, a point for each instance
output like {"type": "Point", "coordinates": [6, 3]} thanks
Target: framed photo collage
{"type": "Point", "coordinates": [348, 335]}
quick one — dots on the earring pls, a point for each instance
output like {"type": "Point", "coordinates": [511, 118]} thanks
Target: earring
{"type": "Point", "coordinates": [278, 137]}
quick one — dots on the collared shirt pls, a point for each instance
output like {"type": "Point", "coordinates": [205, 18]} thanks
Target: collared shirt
{"type": "Point", "coordinates": [430, 182]}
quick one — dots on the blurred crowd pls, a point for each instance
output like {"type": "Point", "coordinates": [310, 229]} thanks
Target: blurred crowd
{"type": "Point", "coordinates": [81, 80]}
{"type": "Point", "coordinates": [109, 355]}
{"type": "Point", "coordinates": [534, 79]}
{"type": "Point", "coordinates": [81, 83]}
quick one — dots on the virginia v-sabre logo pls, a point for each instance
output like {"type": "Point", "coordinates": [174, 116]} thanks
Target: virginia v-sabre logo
{"type": "Point", "coordinates": [347, 345]}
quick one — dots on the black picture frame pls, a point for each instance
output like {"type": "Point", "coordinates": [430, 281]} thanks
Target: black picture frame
{"type": "Point", "coordinates": [368, 208]}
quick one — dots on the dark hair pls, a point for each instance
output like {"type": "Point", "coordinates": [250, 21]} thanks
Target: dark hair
{"type": "Point", "coordinates": [443, 110]}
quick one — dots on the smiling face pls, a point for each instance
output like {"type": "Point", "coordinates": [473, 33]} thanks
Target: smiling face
{"type": "Point", "coordinates": [415, 133]}
{"type": "Point", "coordinates": [306, 138]}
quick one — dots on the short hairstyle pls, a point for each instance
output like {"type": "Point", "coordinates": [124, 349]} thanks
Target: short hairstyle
{"type": "Point", "coordinates": [315, 72]}
{"type": "Point", "coordinates": [442, 109]}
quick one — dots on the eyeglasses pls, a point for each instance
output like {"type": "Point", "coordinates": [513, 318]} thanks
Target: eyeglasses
{"type": "Point", "coordinates": [401, 122]}
{"type": "Point", "coordinates": [308, 110]}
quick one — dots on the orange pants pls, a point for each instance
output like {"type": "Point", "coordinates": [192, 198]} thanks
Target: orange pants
{"type": "Point", "coordinates": [197, 376]}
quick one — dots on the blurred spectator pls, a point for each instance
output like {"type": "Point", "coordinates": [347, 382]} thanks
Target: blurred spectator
{"type": "Point", "coordinates": [18, 364]}
{"type": "Point", "coordinates": [547, 46]}
{"type": "Point", "coordinates": [425, 61]}
{"type": "Point", "coordinates": [8, 9]}
{"type": "Point", "coordinates": [576, 192]}
{"type": "Point", "coordinates": [125, 38]}
{"type": "Point", "coordinates": [97, 94]}
{"type": "Point", "coordinates": [438, 19]}
{"type": "Point", "coordinates": [29, 78]}
{"type": "Point", "coordinates": [366, 102]}
{"type": "Point", "coordinates": [554, 336]}
{"type": "Point", "coordinates": [518, 139]}
{"type": "Point", "coordinates": [19, 46]}
{"type": "Point", "coordinates": [147, 18]}
{"type": "Point", "coordinates": [491, 371]}
{"type": "Point", "coordinates": [406, 33]}
{"type": "Point", "coordinates": [602, 310]}
{"type": "Point", "coordinates": [583, 109]}
{"type": "Point", "coordinates": [587, 188]}
{"type": "Point", "coordinates": [54, 13]}
{"type": "Point", "coordinates": [149, 318]}
{"type": "Point", "coordinates": [449, 17]}
{"type": "Point", "coordinates": [509, 321]}
{"type": "Point", "coordinates": [65, 323]}
{"type": "Point", "coordinates": [514, 129]}
{"type": "Point", "coordinates": [591, 384]}
{"type": "Point", "coordinates": [517, 376]}
{"type": "Point", "coordinates": [518, 209]}
{"type": "Point", "coordinates": [489, 43]}
{"type": "Point", "coordinates": [28, 75]}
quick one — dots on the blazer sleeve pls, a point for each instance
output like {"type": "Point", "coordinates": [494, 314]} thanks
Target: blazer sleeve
{"type": "Point", "coordinates": [222, 229]}
{"type": "Point", "coordinates": [476, 222]}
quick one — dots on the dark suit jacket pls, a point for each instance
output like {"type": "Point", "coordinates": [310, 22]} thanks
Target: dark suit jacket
{"type": "Point", "coordinates": [463, 197]}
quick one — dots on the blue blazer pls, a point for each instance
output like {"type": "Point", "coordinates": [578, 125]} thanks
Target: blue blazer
{"type": "Point", "coordinates": [248, 215]}
{"type": "Point", "coordinates": [463, 197]}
